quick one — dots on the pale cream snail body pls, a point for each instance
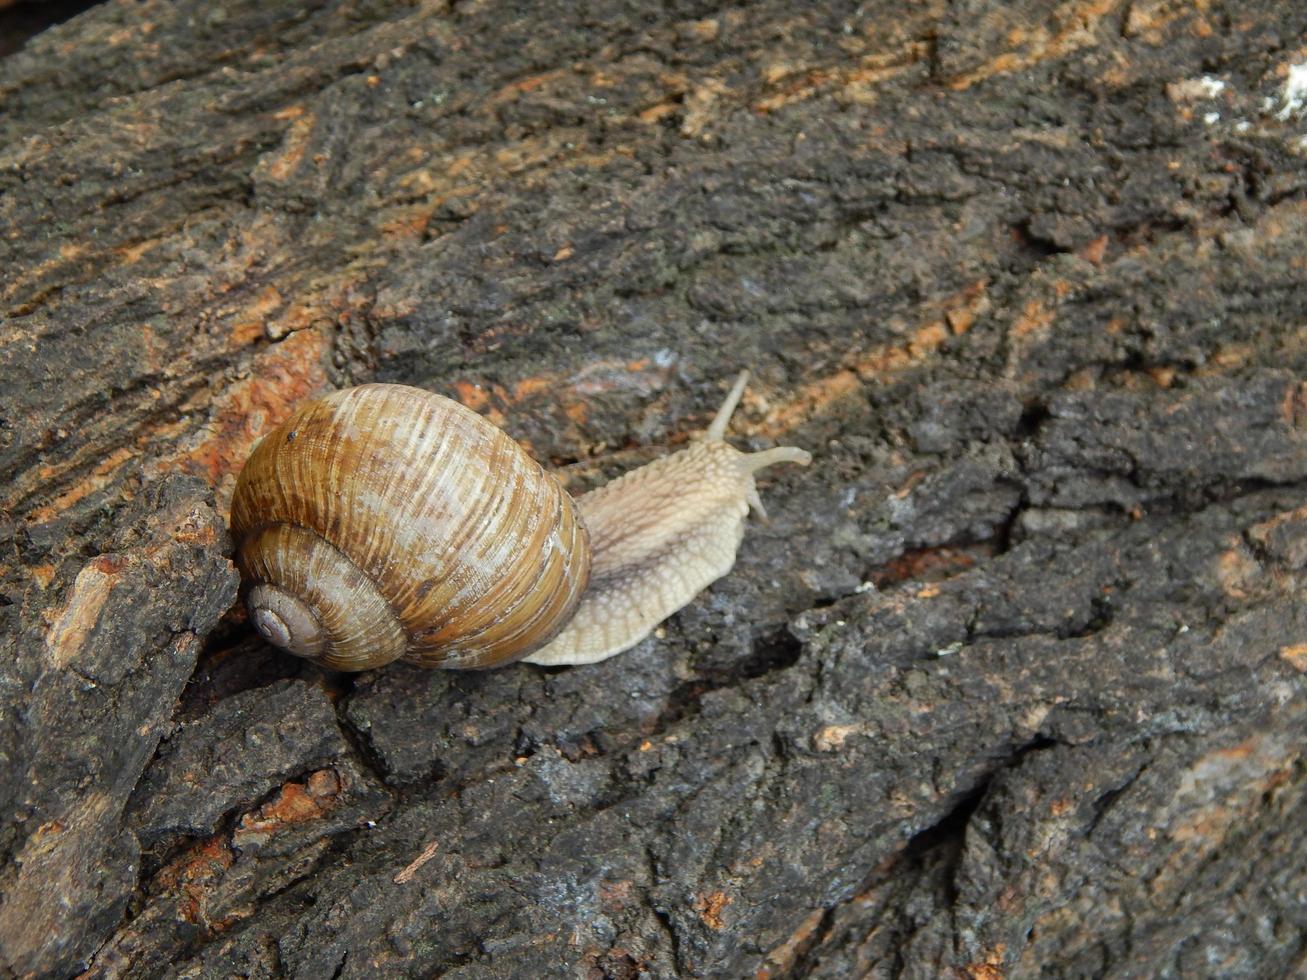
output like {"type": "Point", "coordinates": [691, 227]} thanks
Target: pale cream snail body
{"type": "Point", "coordinates": [385, 522]}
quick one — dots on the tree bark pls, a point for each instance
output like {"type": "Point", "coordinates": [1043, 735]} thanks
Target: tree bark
{"type": "Point", "coordinates": [1011, 684]}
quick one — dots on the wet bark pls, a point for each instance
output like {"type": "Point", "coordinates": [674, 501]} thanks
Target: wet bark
{"type": "Point", "coordinates": [1012, 684]}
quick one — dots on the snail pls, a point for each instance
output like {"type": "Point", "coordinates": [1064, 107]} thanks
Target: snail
{"type": "Point", "coordinates": [384, 522]}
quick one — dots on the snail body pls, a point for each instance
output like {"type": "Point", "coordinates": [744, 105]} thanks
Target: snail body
{"type": "Point", "coordinates": [384, 522]}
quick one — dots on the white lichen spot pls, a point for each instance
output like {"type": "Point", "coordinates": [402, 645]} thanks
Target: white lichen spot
{"type": "Point", "coordinates": [1242, 126]}
{"type": "Point", "coordinates": [865, 587]}
{"type": "Point", "coordinates": [1212, 87]}
{"type": "Point", "coordinates": [1194, 89]}
{"type": "Point", "coordinates": [1212, 118]}
{"type": "Point", "coordinates": [1294, 95]}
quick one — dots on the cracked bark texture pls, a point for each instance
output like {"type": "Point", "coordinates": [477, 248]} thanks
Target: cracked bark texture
{"type": "Point", "coordinates": [1011, 685]}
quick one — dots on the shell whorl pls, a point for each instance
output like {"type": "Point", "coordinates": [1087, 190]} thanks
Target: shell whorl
{"type": "Point", "coordinates": [312, 601]}
{"type": "Point", "coordinates": [383, 522]}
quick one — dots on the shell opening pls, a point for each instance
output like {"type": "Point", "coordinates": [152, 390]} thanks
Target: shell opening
{"type": "Point", "coordinates": [285, 621]}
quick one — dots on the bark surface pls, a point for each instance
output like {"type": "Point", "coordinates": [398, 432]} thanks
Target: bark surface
{"type": "Point", "coordinates": [1013, 682]}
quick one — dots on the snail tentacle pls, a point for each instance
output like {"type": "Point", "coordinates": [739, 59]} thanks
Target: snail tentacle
{"type": "Point", "coordinates": [717, 428]}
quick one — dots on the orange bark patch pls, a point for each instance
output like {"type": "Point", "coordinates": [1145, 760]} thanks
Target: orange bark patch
{"type": "Point", "coordinates": [295, 803]}
{"type": "Point", "coordinates": [1261, 533]}
{"type": "Point", "coordinates": [280, 377]}
{"type": "Point", "coordinates": [927, 340]}
{"type": "Point", "coordinates": [1149, 20]}
{"type": "Point", "coordinates": [658, 112]}
{"type": "Point", "coordinates": [831, 738]}
{"type": "Point", "coordinates": [81, 614]}
{"type": "Point", "coordinates": [780, 960]}
{"type": "Point", "coordinates": [794, 83]}
{"type": "Point", "coordinates": [10, 287]}
{"type": "Point", "coordinates": [710, 908]}
{"type": "Point", "coordinates": [1035, 316]}
{"type": "Point", "coordinates": [954, 314]}
{"type": "Point", "coordinates": [51, 828]}
{"type": "Point", "coordinates": [281, 165]}
{"type": "Point", "coordinates": [517, 89]}
{"type": "Point", "coordinates": [1237, 572]}
{"type": "Point", "coordinates": [1227, 358]}
{"type": "Point", "coordinates": [1163, 376]}
{"type": "Point", "coordinates": [297, 316]}
{"type": "Point", "coordinates": [474, 396]}
{"type": "Point", "coordinates": [926, 563]}
{"type": "Point", "coordinates": [1095, 250]}
{"type": "Point", "coordinates": [411, 222]}
{"type": "Point", "coordinates": [98, 478]}
{"type": "Point", "coordinates": [702, 30]}
{"type": "Point", "coordinates": [532, 386]}
{"type": "Point", "coordinates": [131, 254]}
{"type": "Point", "coordinates": [202, 861]}
{"type": "Point", "coordinates": [249, 325]}
{"type": "Point", "coordinates": [960, 320]}
{"type": "Point", "coordinates": [192, 874]}
{"type": "Point", "coordinates": [809, 400]}
{"type": "Point", "coordinates": [1293, 407]}
{"type": "Point", "coordinates": [1295, 656]}
{"type": "Point", "coordinates": [817, 396]}
{"type": "Point", "coordinates": [1220, 789]}
{"type": "Point", "coordinates": [1077, 22]}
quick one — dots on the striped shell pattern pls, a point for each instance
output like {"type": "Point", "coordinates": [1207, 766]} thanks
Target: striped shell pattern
{"type": "Point", "coordinates": [383, 522]}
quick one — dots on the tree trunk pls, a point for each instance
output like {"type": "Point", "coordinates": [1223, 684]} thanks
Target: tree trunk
{"type": "Point", "coordinates": [1011, 684]}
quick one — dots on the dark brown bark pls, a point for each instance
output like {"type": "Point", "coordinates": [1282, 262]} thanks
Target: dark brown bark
{"type": "Point", "coordinates": [1012, 684]}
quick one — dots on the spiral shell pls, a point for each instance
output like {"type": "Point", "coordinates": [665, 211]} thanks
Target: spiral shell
{"type": "Point", "coordinates": [385, 522]}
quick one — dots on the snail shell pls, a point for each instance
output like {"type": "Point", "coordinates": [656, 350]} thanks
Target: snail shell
{"type": "Point", "coordinates": [385, 522]}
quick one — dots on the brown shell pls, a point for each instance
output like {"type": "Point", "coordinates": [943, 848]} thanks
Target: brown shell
{"type": "Point", "coordinates": [410, 527]}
